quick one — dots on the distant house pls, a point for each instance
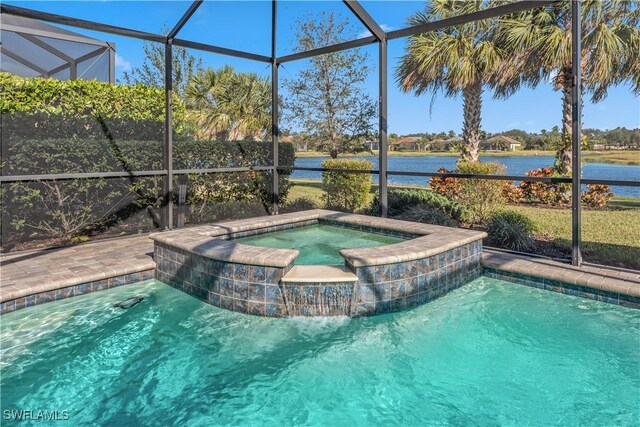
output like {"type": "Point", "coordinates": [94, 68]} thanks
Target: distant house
{"type": "Point", "coordinates": [299, 145]}
{"type": "Point", "coordinates": [408, 143]}
{"type": "Point", "coordinates": [438, 144]}
{"type": "Point", "coordinates": [501, 143]}
{"type": "Point", "coordinates": [371, 145]}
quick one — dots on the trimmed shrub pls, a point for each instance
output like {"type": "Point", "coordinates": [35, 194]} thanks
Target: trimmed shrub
{"type": "Point", "coordinates": [346, 191]}
{"type": "Point", "coordinates": [545, 192]}
{"type": "Point", "coordinates": [400, 200]}
{"type": "Point", "coordinates": [511, 230]}
{"type": "Point", "coordinates": [426, 214]}
{"type": "Point", "coordinates": [597, 195]}
{"type": "Point", "coordinates": [482, 197]}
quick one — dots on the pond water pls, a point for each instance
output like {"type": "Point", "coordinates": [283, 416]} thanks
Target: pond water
{"type": "Point", "coordinates": [516, 165]}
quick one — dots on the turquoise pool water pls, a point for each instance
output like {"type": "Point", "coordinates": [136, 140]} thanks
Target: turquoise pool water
{"type": "Point", "coordinates": [489, 353]}
{"type": "Point", "coordinates": [319, 244]}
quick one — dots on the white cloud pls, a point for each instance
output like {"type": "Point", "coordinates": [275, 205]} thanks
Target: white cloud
{"type": "Point", "coordinates": [122, 64]}
{"type": "Point", "coordinates": [384, 27]}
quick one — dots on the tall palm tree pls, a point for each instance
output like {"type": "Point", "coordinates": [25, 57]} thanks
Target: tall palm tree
{"type": "Point", "coordinates": [461, 59]}
{"type": "Point", "coordinates": [541, 40]}
{"type": "Point", "coordinates": [230, 105]}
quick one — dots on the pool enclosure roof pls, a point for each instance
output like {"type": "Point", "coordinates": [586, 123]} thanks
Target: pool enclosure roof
{"type": "Point", "coordinates": [31, 48]}
{"type": "Point", "coordinates": [378, 36]}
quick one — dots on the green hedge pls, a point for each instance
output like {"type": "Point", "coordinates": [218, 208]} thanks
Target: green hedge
{"type": "Point", "coordinates": [50, 108]}
{"type": "Point", "coordinates": [51, 126]}
{"type": "Point", "coordinates": [346, 191]}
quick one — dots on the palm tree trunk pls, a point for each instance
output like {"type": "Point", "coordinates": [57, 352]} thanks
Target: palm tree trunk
{"type": "Point", "coordinates": [471, 130]}
{"type": "Point", "coordinates": [563, 156]}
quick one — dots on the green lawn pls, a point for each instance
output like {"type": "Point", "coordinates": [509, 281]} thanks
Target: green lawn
{"type": "Point", "coordinates": [609, 237]}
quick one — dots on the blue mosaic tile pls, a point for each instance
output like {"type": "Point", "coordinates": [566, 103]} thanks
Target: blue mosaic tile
{"type": "Point", "coordinates": [49, 296]}
{"type": "Point", "coordinates": [256, 274]}
{"type": "Point", "coordinates": [275, 310]}
{"type": "Point", "coordinates": [383, 307]}
{"type": "Point", "coordinates": [226, 287]}
{"type": "Point", "coordinates": [273, 295]}
{"type": "Point", "coordinates": [366, 293]}
{"type": "Point", "coordinates": [64, 293]}
{"type": "Point", "coordinates": [413, 285]}
{"type": "Point", "coordinates": [241, 272]}
{"type": "Point", "coordinates": [382, 291]}
{"type": "Point", "coordinates": [413, 300]}
{"type": "Point", "coordinates": [82, 289]}
{"type": "Point", "coordinates": [272, 274]}
{"type": "Point", "coordinates": [396, 289]}
{"type": "Point", "coordinates": [226, 302]}
{"type": "Point", "coordinates": [7, 307]}
{"type": "Point", "coordinates": [398, 304]}
{"type": "Point", "coordinates": [365, 309]}
{"type": "Point", "coordinates": [366, 274]}
{"type": "Point", "coordinates": [257, 309]}
{"type": "Point", "coordinates": [227, 270]}
{"type": "Point", "coordinates": [257, 292]}
{"type": "Point", "coordinates": [240, 306]}
{"type": "Point", "coordinates": [31, 300]}
{"type": "Point", "coordinates": [214, 299]}
{"type": "Point", "coordinates": [20, 303]}
{"type": "Point", "coordinates": [240, 290]}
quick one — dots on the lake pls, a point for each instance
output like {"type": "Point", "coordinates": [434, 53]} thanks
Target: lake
{"type": "Point", "coordinates": [516, 165]}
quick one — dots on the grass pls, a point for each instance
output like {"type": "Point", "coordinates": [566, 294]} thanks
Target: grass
{"type": "Point", "coordinates": [610, 237]}
{"type": "Point", "coordinates": [612, 156]}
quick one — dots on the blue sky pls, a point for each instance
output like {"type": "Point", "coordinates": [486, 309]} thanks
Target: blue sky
{"type": "Point", "coordinates": [245, 25]}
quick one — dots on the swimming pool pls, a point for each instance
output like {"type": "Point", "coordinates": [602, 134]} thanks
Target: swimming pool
{"type": "Point", "coordinates": [490, 352]}
{"type": "Point", "coordinates": [319, 244]}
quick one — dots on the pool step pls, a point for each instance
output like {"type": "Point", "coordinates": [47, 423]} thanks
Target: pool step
{"type": "Point", "coordinates": [319, 274]}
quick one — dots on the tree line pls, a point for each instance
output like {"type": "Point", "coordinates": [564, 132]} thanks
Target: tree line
{"type": "Point", "coordinates": [619, 138]}
{"type": "Point", "coordinates": [328, 108]}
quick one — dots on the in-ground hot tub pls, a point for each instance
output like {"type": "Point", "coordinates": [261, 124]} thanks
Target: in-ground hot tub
{"type": "Point", "coordinates": [387, 264]}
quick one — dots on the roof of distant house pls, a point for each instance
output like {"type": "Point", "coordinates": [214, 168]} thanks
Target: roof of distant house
{"type": "Point", "coordinates": [407, 140]}
{"type": "Point", "coordinates": [505, 138]}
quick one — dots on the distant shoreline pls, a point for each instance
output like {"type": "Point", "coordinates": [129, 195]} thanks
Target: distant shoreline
{"type": "Point", "coordinates": [629, 158]}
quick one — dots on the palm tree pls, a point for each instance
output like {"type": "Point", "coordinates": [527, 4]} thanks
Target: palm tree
{"type": "Point", "coordinates": [461, 59]}
{"type": "Point", "coordinates": [540, 39]}
{"type": "Point", "coordinates": [229, 105]}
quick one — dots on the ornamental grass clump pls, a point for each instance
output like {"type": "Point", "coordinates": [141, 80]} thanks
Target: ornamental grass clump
{"type": "Point", "coordinates": [511, 230]}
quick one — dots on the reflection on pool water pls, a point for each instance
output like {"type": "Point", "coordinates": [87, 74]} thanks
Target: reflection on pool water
{"type": "Point", "coordinates": [491, 352]}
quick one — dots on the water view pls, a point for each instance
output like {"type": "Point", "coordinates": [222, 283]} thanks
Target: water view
{"type": "Point", "coordinates": [516, 165]}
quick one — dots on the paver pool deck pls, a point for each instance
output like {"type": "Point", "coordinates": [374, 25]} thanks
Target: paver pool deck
{"type": "Point", "coordinates": [103, 264]}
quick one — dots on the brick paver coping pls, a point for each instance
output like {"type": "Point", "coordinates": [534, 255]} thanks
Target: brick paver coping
{"type": "Point", "coordinates": [28, 273]}
{"type": "Point", "coordinates": [600, 278]}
